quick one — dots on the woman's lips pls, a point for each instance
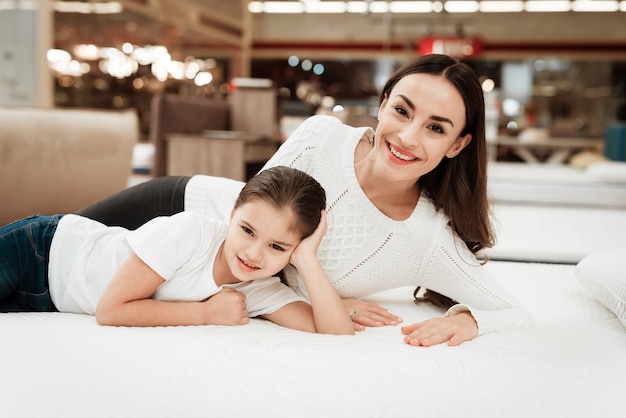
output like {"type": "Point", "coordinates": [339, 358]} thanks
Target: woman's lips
{"type": "Point", "coordinates": [401, 155]}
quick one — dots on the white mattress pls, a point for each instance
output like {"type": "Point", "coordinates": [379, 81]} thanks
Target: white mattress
{"type": "Point", "coordinates": [555, 234]}
{"type": "Point", "coordinates": [553, 184]}
{"type": "Point", "coordinates": [572, 364]}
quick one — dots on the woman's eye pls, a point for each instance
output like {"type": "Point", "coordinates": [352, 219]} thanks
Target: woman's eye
{"type": "Point", "coordinates": [437, 129]}
{"type": "Point", "coordinates": [247, 230]}
{"type": "Point", "coordinates": [277, 247]}
{"type": "Point", "coordinates": [401, 111]}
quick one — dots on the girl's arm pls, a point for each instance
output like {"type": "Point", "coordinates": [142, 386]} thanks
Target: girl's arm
{"type": "Point", "coordinates": [326, 314]}
{"type": "Point", "coordinates": [127, 302]}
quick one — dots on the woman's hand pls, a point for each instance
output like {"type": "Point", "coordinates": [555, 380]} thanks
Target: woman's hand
{"type": "Point", "coordinates": [369, 314]}
{"type": "Point", "coordinates": [454, 330]}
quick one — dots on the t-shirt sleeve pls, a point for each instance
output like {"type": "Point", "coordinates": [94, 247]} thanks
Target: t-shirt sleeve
{"type": "Point", "coordinates": [167, 243]}
{"type": "Point", "coordinates": [266, 296]}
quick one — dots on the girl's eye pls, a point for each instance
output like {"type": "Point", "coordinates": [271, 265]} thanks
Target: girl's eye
{"type": "Point", "coordinates": [247, 230]}
{"type": "Point", "coordinates": [277, 247]}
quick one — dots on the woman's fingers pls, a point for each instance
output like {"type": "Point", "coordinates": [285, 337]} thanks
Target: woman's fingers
{"type": "Point", "coordinates": [452, 330]}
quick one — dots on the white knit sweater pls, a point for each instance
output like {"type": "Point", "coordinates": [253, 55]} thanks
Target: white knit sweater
{"type": "Point", "coordinates": [364, 251]}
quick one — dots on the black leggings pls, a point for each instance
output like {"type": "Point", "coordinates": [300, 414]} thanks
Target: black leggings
{"type": "Point", "coordinates": [132, 207]}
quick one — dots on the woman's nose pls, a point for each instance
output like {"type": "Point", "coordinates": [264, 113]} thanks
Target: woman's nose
{"type": "Point", "coordinates": [410, 136]}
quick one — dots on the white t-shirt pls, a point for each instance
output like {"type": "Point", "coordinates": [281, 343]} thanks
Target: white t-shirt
{"type": "Point", "coordinates": [364, 251]}
{"type": "Point", "coordinates": [181, 248]}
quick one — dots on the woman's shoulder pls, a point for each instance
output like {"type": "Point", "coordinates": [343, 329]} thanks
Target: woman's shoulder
{"type": "Point", "coordinates": [324, 129]}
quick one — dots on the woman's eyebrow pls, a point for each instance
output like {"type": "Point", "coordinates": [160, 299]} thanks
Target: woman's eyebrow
{"type": "Point", "coordinates": [410, 104]}
{"type": "Point", "coordinates": [442, 119]}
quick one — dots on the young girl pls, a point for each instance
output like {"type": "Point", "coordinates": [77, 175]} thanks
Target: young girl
{"type": "Point", "coordinates": [185, 269]}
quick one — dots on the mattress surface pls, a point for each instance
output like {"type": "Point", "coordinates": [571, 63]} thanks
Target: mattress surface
{"type": "Point", "coordinates": [571, 364]}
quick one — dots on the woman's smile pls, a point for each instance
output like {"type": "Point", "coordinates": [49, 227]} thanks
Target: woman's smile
{"type": "Point", "coordinates": [400, 154]}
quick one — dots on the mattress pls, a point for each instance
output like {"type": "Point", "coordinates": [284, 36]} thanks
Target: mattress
{"type": "Point", "coordinates": [557, 184]}
{"type": "Point", "coordinates": [555, 234]}
{"type": "Point", "coordinates": [571, 364]}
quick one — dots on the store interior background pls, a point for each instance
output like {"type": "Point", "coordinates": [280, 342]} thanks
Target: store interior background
{"type": "Point", "coordinates": [561, 73]}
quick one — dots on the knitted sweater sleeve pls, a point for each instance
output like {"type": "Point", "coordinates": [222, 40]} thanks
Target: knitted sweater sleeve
{"type": "Point", "coordinates": [455, 272]}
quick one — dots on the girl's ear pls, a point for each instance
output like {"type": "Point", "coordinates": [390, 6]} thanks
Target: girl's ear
{"type": "Point", "coordinates": [460, 143]}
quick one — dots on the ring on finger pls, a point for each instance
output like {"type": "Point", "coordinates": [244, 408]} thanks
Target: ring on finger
{"type": "Point", "coordinates": [352, 314]}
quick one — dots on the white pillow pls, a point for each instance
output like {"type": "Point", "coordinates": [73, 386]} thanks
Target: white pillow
{"type": "Point", "coordinates": [603, 274]}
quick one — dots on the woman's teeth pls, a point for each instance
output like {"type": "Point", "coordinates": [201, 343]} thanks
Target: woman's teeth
{"type": "Point", "coordinates": [398, 154]}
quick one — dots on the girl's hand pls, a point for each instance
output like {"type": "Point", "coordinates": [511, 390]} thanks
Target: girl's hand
{"type": "Point", "coordinates": [369, 314]}
{"type": "Point", "coordinates": [228, 307]}
{"type": "Point", "coordinates": [308, 246]}
{"type": "Point", "coordinates": [453, 330]}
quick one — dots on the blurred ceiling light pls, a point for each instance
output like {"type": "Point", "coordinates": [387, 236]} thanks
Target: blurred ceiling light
{"type": "Point", "coordinates": [379, 7]}
{"type": "Point", "coordinates": [88, 52]}
{"type": "Point", "coordinates": [58, 55]}
{"type": "Point", "coordinates": [203, 78]}
{"type": "Point", "coordinates": [357, 7]}
{"type": "Point", "coordinates": [283, 7]}
{"type": "Point", "coordinates": [436, 6]}
{"type": "Point", "coordinates": [504, 6]}
{"type": "Point", "coordinates": [595, 6]}
{"type": "Point", "coordinates": [325, 6]}
{"type": "Point", "coordinates": [461, 6]}
{"type": "Point", "coordinates": [547, 6]}
{"type": "Point", "coordinates": [110, 7]}
{"type": "Point", "coordinates": [411, 6]}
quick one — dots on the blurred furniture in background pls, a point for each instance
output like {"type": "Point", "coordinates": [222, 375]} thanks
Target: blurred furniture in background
{"type": "Point", "coordinates": [59, 160]}
{"type": "Point", "coordinates": [230, 154]}
{"type": "Point", "coordinates": [548, 150]}
{"type": "Point", "coordinates": [197, 135]}
{"type": "Point", "coordinates": [615, 142]}
{"type": "Point", "coordinates": [171, 113]}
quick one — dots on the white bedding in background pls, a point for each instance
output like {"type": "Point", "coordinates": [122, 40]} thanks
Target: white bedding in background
{"type": "Point", "coordinates": [571, 364]}
{"type": "Point", "coordinates": [555, 184]}
{"type": "Point", "coordinates": [555, 234]}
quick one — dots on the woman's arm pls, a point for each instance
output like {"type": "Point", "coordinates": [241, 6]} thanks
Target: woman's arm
{"type": "Point", "coordinates": [326, 314]}
{"type": "Point", "coordinates": [484, 304]}
{"type": "Point", "coordinates": [127, 302]}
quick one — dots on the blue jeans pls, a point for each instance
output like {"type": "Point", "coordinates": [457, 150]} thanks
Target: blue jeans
{"type": "Point", "coordinates": [24, 254]}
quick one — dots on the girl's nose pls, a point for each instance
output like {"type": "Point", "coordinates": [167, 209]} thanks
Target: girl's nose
{"type": "Point", "coordinates": [254, 252]}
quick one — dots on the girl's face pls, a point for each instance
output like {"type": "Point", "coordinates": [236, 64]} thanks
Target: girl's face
{"type": "Point", "coordinates": [419, 124]}
{"type": "Point", "coordinates": [260, 240]}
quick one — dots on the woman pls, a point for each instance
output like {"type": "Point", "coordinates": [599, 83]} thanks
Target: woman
{"type": "Point", "coordinates": [407, 204]}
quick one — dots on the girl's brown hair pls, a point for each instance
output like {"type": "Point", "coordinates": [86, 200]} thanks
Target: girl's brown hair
{"type": "Point", "coordinates": [288, 188]}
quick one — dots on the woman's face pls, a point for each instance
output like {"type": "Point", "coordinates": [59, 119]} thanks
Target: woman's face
{"type": "Point", "coordinates": [419, 124]}
{"type": "Point", "coordinates": [260, 241]}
